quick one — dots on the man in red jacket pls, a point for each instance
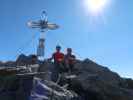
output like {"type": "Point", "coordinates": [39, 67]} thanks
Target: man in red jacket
{"type": "Point", "coordinates": [58, 58]}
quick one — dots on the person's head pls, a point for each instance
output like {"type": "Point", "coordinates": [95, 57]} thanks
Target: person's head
{"type": "Point", "coordinates": [58, 48]}
{"type": "Point", "coordinates": [69, 50]}
{"type": "Point", "coordinates": [34, 58]}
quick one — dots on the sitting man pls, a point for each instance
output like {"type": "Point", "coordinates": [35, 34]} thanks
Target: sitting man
{"type": "Point", "coordinates": [70, 59]}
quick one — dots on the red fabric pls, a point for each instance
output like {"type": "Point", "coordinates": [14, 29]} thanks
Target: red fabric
{"type": "Point", "coordinates": [71, 61]}
{"type": "Point", "coordinates": [58, 56]}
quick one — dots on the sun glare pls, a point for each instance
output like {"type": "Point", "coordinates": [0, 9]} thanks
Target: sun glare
{"type": "Point", "coordinates": [95, 6]}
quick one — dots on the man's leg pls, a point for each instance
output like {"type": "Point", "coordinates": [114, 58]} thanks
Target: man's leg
{"type": "Point", "coordinates": [55, 72]}
{"type": "Point", "coordinates": [71, 66]}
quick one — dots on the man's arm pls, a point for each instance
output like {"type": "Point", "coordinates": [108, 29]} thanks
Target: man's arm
{"type": "Point", "coordinates": [51, 58]}
{"type": "Point", "coordinates": [73, 57]}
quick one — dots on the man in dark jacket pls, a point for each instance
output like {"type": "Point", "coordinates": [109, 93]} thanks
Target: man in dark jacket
{"type": "Point", "coordinates": [70, 59]}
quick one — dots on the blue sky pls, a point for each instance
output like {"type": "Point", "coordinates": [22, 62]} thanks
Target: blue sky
{"type": "Point", "coordinates": [106, 39]}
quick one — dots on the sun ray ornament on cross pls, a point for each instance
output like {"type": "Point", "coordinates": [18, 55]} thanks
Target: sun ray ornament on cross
{"type": "Point", "coordinates": [43, 26]}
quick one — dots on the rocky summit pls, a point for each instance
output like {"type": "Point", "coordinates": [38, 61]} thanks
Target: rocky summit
{"type": "Point", "coordinates": [89, 80]}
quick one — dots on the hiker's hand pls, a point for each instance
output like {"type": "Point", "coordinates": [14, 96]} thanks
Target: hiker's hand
{"type": "Point", "coordinates": [49, 60]}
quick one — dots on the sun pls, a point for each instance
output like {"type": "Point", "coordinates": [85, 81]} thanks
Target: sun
{"type": "Point", "coordinates": [95, 6]}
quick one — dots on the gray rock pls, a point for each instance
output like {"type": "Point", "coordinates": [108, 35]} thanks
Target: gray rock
{"type": "Point", "coordinates": [92, 81]}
